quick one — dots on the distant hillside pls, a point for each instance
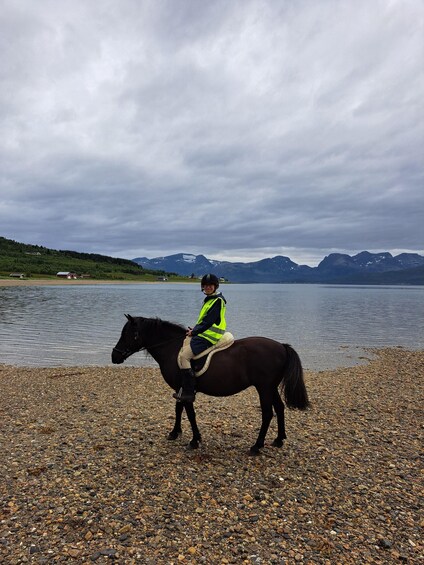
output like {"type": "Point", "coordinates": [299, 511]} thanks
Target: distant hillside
{"type": "Point", "coordinates": [37, 260]}
{"type": "Point", "coordinates": [406, 276]}
{"type": "Point", "coordinates": [336, 268]}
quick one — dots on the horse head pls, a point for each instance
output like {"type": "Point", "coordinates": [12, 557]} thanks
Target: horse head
{"type": "Point", "coordinates": [130, 340]}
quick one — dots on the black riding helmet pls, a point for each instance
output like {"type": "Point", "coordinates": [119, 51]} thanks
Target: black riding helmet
{"type": "Point", "coordinates": [210, 279]}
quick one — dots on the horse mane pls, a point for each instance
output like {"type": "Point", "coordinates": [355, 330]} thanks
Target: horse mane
{"type": "Point", "coordinates": [156, 324]}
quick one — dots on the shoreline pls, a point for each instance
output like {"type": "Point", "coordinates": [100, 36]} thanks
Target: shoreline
{"type": "Point", "coordinates": [72, 282]}
{"type": "Point", "coordinates": [89, 475]}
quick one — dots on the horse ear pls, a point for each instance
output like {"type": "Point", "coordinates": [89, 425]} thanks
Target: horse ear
{"type": "Point", "coordinates": [129, 318]}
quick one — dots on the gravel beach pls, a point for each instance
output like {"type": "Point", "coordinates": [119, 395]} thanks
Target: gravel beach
{"type": "Point", "coordinates": [88, 475]}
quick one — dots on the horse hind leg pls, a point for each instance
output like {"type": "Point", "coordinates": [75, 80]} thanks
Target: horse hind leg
{"type": "Point", "coordinates": [278, 405]}
{"type": "Point", "coordinates": [265, 398]}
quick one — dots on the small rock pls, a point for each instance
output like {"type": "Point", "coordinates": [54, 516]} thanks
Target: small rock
{"type": "Point", "coordinates": [384, 543]}
{"type": "Point", "coordinates": [108, 552]}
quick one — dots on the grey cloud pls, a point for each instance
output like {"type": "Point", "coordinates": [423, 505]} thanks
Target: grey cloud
{"type": "Point", "coordinates": [233, 130]}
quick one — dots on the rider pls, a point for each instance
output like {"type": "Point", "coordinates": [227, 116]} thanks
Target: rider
{"type": "Point", "coordinates": [209, 329]}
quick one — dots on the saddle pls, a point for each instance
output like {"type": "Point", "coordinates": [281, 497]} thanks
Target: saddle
{"type": "Point", "coordinates": [200, 363]}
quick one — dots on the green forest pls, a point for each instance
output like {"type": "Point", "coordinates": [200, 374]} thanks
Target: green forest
{"type": "Point", "coordinates": [37, 261]}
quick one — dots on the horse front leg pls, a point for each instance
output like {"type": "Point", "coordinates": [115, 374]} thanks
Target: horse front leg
{"type": "Point", "coordinates": [279, 410]}
{"type": "Point", "coordinates": [191, 414]}
{"type": "Point", "coordinates": [177, 430]}
{"type": "Point", "coordinates": [265, 398]}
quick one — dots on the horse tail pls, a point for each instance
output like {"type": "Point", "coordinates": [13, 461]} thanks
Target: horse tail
{"type": "Point", "coordinates": [292, 384]}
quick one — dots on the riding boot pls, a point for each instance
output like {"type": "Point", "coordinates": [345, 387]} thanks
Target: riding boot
{"type": "Point", "coordinates": [187, 391]}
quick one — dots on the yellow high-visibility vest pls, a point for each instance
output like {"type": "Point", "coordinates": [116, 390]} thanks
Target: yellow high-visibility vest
{"type": "Point", "coordinates": [215, 332]}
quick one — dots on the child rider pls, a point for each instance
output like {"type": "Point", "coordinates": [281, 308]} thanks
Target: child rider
{"type": "Point", "coordinates": [209, 329]}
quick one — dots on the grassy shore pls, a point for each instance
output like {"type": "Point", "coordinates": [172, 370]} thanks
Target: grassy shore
{"type": "Point", "coordinates": [89, 476]}
{"type": "Point", "coordinates": [74, 282]}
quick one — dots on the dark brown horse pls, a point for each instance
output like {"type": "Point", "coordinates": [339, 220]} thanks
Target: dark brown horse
{"type": "Point", "coordinates": [252, 361]}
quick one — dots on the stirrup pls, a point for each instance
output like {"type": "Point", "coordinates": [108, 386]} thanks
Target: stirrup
{"type": "Point", "coordinates": [180, 396]}
{"type": "Point", "coordinates": [177, 395]}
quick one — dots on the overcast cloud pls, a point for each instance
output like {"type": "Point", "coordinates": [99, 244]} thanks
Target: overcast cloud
{"type": "Point", "coordinates": [236, 129]}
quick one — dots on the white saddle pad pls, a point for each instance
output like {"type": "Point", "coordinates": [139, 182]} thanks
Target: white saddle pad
{"type": "Point", "coordinates": [226, 340]}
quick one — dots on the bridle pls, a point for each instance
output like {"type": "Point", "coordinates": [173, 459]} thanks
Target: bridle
{"type": "Point", "coordinates": [126, 352]}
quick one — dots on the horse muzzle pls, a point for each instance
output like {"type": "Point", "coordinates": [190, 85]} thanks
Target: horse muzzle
{"type": "Point", "coordinates": [119, 356]}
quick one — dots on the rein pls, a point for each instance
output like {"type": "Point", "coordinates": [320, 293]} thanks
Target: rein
{"type": "Point", "coordinates": [127, 352]}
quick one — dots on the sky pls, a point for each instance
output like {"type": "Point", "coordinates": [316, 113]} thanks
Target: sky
{"type": "Point", "coordinates": [239, 130]}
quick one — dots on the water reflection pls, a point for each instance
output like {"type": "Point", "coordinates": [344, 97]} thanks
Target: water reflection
{"type": "Point", "coordinates": [78, 325]}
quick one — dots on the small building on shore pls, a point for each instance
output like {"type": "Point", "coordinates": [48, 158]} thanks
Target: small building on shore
{"type": "Point", "coordinates": [66, 275]}
{"type": "Point", "coordinates": [17, 275]}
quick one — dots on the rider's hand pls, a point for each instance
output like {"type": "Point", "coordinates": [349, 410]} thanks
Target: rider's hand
{"type": "Point", "coordinates": [188, 332]}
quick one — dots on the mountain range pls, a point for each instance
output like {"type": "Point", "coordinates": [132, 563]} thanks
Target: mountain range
{"type": "Point", "coordinates": [336, 268]}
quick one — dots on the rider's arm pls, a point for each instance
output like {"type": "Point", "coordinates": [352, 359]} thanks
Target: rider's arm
{"type": "Point", "coordinates": [212, 317]}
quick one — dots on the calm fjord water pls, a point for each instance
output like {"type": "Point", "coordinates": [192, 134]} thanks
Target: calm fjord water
{"type": "Point", "coordinates": [328, 325]}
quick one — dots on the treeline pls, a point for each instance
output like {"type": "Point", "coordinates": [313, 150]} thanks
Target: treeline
{"type": "Point", "coordinates": [98, 258]}
{"type": "Point", "coordinates": [34, 260]}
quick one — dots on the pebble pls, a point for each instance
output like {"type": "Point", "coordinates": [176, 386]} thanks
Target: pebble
{"type": "Point", "coordinates": [385, 544]}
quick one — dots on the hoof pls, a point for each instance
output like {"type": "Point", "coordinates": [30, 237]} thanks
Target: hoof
{"type": "Point", "coordinates": [277, 443]}
{"type": "Point", "coordinates": [173, 435]}
{"type": "Point", "coordinates": [194, 444]}
{"type": "Point", "coordinates": [254, 450]}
